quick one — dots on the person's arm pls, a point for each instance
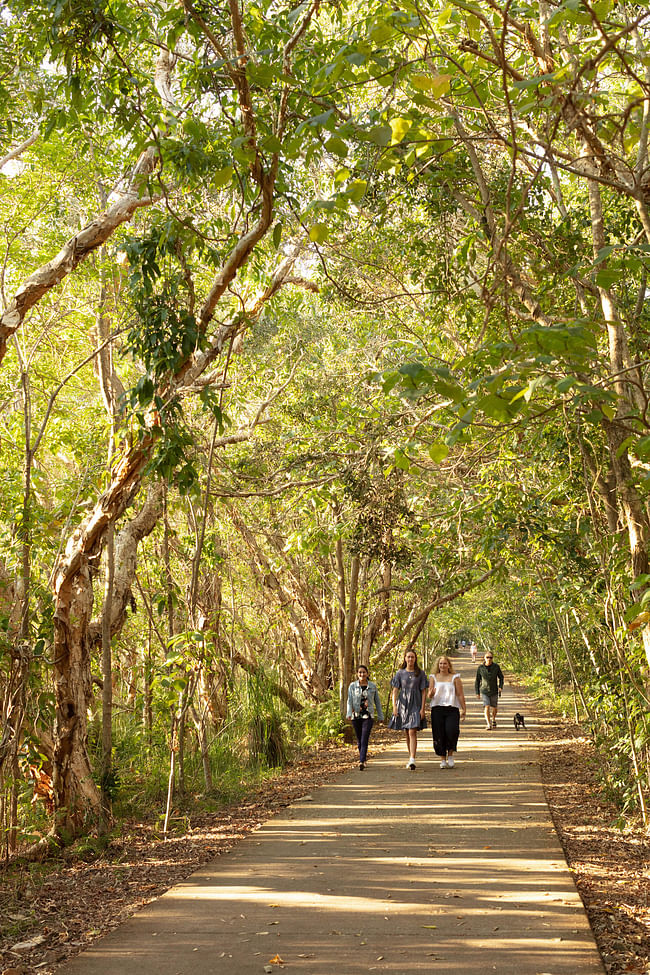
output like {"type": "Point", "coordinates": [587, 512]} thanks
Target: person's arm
{"type": "Point", "coordinates": [350, 710]}
{"type": "Point", "coordinates": [432, 687]}
{"type": "Point", "coordinates": [423, 697]}
{"type": "Point", "coordinates": [380, 713]}
{"type": "Point", "coordinates": [477, 681]}
{"type": "Point", "coordinates": [500, 678]}
{"type": "Point", "coordinates": [460, 694]}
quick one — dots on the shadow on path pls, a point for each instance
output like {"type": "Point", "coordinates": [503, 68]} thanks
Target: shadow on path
{"type": "Point", "coordinates": [385, 870]}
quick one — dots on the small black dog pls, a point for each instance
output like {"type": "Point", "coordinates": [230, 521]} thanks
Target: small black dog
{"type": "Point", "coordinates": [519, 721]}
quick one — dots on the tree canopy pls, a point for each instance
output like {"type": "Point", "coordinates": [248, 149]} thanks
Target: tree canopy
{"type": "Point", "coordinates": [324, 334]}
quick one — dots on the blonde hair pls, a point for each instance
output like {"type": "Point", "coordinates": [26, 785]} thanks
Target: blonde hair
{"type": "Point", "coordinates": [444, 657]}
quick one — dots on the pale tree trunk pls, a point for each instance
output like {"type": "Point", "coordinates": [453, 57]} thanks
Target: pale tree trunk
{"type": "Point", "coordinates": [22, 656]}
{"type": "Point", "coordinates": [177, 724]}
{"type": "Point", "coordinates": [76, 798]}
{"type": "Point", "coordinates": [104, 366]}
{"type": "Point", "coordinates": [351, 619]}
{"type": "Point", "coordinates": [107, 684]}
{"type": "Point", "coordinates": [288, 589]}
{"type": "Point", "coordinates": [198, 717]}
{"type": "Point", "coordinates": [340, 588]}
{"type": "Point", "coordinates": [627, 381]}
{"type": "Point", "coordinates": [380, 622]}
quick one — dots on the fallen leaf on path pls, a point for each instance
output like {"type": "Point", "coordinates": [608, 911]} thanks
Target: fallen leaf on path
{"type": "Point", "coordinates": [429, 925]}
{"type": "Point", "coordinates": [276, 960]}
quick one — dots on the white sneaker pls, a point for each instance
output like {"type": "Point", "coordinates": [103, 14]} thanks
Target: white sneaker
{"type": "Point", "coordinates": [443, 764]}
{"type": "Point", "coordinates": [410, 764]}
{"type": "Point", "coordinates": [450, 761]}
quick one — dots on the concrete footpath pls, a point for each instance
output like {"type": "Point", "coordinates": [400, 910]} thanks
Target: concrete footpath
{"type": "Point", "coordinates": [385, 871]}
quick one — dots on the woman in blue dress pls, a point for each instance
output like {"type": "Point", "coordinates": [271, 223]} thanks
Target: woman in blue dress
{"type": "Point", "coordinates": [409, 701]}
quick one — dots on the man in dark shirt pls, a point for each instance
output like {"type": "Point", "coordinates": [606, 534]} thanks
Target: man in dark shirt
{"type": "Point", "coordinates": [488, 686]}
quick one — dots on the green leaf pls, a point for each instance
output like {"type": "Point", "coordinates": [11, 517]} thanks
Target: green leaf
{"type": "Point", "coordinates": [399, 127]}
{"type": "Point", "coordinates": [318, 233]}
{"type": "Point", "coordinates": [277, 235]}
{"type": "Point", "coordinates": [272, 144]}
{"type": "Point", "coordinates": [640, 581]}
{"type": "Point", "coordinates": [440, 85]}
{"type": "Point", "coordinates": [423, 82]}
{"type": "Point", "coordinates": [380, 135]}
{"type": "Point", "coordinates": [438, 452]}
{"type": "Point", "coordinates": [608, 277]}
{"type": "Point", "coordinates": [336, 146]}
{"type": "Point", "coordinates": [222, 177]}
{"type": "Point", "coordinates": [357, 190]}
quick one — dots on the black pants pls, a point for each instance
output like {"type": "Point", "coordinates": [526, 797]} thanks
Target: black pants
{"type": "Point", "coordinates": [362, 728]}
{"type": "Point", "coordinates": [445, 728]}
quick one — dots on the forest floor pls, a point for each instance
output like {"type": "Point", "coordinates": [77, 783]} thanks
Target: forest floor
{"type": "Point", "coordinates": [50, 912]}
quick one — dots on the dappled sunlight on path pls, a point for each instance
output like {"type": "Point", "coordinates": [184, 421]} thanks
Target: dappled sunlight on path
{"type": "Point", "coordinates": [385, 870]}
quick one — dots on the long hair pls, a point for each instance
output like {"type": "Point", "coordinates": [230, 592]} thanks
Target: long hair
{"type": "Point", "coordinates": [416, 669]}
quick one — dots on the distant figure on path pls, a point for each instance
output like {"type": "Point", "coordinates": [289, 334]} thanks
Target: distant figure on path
{"type": "Point", "coordinates": [447, 710]}
{"type": "Point", "coordinates": [409, 701]}
{"type": "Point", "coordinates": [363, 707]}
{"type": "Point", "coordinates": [488, 686]}
{"type": "Point", "coordinates": [473, 649]}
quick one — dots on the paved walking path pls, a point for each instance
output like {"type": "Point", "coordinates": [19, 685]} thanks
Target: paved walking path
{"type": "Point", "coordinates": [384, 871]}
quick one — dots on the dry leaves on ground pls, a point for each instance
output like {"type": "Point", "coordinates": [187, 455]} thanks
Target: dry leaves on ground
{"type": "Point", "coordinates": [610, 866]}
{"type": "Point", "coordinates": [74, 902]}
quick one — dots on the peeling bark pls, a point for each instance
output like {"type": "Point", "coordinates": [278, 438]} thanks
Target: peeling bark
{"type": "Point", "coordinates": [89, 239]}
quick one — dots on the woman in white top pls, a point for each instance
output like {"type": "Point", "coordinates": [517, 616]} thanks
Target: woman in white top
{"type": "Point", "coordinates": [447, 710]}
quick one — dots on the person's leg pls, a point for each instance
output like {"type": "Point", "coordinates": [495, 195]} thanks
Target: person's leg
{"type": "Point", "coordinates": [438, 730]}
{"type": "Point", "coordinates": [488, 719]}
{"type": "Point", "coordinates": [357, 724]}
{"type": "Point", "coordinates": [413, 742]}
{"type": "Point", "coordinates": [366, 728]}
{"type": "Point", "coordinates": [452, 730]}
{"type": "Point", "coordinates": [495, 704]}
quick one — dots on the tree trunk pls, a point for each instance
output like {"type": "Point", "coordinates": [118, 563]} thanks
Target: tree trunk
{"type": "Point", "coordinates": [340, 583]}
{"type": "Point", "coordinates": [107, 685]}
{"type": "Point", "coordinates": [76, 798]}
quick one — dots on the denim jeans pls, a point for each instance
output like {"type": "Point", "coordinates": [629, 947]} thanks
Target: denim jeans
{"type": "Point", "coordinates": [362, 728]}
